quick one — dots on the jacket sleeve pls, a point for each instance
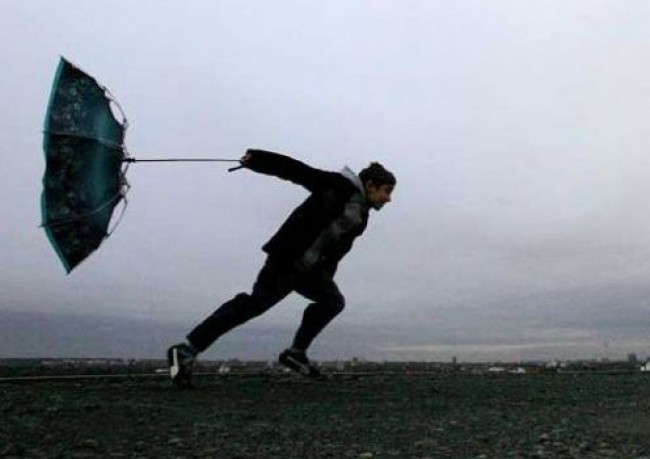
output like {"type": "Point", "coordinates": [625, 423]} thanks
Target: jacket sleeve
{"type": "Point", "coordinates": [286, 168]}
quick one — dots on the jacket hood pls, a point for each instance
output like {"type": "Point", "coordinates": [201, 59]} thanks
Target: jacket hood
{"type": "Point", "coordinates": [354, 178]}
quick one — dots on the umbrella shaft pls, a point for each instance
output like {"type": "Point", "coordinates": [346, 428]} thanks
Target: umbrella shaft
{"type": "Point", "coordinates": [133, 160]}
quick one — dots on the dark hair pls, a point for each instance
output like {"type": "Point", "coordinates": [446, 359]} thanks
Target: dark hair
{"type": "Point", "coordinates": [378, 174]}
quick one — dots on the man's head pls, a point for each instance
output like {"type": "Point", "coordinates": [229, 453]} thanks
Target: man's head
{"type": "Point", "coordinates": [378, 183]}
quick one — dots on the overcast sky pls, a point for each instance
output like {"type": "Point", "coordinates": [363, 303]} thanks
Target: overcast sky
{"type": "Point", "coordinates": [517, 130]}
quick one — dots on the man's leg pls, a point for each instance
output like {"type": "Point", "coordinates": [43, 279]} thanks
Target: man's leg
{"type": "Point", "coordinates": [272, 285]}
{"type": "Point", "coordinates": [328, 303]}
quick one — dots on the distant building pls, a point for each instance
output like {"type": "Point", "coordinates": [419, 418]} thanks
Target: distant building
{"type": "Point", "coordinates": [496, 370]}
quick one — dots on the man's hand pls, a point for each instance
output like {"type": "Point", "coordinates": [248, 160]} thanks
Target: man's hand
{"type": "Point", "coordinates": [244, 160]}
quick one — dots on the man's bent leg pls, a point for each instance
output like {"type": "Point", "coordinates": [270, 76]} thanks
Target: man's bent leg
{"type": "Point", "coordinates": [232, 313]}
{"type": "Point", "coordinates": [328, 303]}
{"type": "Point", "coordinates": [272, 285]}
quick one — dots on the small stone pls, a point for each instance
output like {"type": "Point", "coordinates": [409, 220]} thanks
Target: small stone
{"type": "Point", "coordinates": [175, 441]}
{"type": "Point", "coordinates": [12, 449]}
{"type": "Point", "coordinates": [91, 406]}
{"type": "Point", "coordinates": [584, 446]}
{"type": "Point", "coordinates": [90, 443]}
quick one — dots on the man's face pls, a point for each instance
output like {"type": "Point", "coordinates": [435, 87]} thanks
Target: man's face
{"type": "Point", "coordinates": [378, 195]}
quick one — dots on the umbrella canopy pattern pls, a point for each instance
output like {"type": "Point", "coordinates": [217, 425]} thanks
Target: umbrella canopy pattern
{"type": "Point", "coordinates": [85, 164]}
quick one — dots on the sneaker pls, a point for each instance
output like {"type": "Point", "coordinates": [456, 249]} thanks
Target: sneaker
{"type": "Point", "coordinates": [298, 362]}
{"type": "Point", "coordinates": [181, 358]}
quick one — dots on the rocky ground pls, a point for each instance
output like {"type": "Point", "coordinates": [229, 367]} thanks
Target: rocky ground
{"type": "Point", "coordinates": [349, 416]}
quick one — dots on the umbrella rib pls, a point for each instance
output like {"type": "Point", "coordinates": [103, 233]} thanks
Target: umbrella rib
{"type": "Point", "coordinates": [119, 219]}
{"type": "Point", "coordinates": [84, 216]}
{"type": "Point", "coordinates": [86, 137]}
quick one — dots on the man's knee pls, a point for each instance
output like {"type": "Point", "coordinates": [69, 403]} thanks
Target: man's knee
{"type": "Point", "coordinates": [327, 307]}
{"type": "Point", "coordinates": [337, 304]}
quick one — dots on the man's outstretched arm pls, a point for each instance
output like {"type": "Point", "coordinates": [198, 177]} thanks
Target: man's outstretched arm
{"type": "Point", "coordinates": [286, 168]}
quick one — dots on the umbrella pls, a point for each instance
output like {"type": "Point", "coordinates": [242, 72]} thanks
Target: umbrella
{"type": "Point", "coordinates": [85, 164]}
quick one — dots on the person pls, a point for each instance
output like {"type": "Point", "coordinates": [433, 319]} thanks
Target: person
{"type": "Point", "coordinates": [302, 256]}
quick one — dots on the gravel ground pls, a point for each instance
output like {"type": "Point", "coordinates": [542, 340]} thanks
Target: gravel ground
{"type": "Point", "coordinates": [371, 416]}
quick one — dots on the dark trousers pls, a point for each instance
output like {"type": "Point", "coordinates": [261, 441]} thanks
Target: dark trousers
{"type": "Point", "coordinates": [274, 282]}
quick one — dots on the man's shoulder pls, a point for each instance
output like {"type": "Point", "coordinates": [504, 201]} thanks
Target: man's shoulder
{"type": "Point", "coordinates": [340, 184]}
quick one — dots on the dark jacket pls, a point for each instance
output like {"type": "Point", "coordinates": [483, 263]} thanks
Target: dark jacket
{"type": "Point", "coordinates": [330, 192]}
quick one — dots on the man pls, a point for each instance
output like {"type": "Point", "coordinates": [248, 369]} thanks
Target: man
{"type": "Point", "coordinates": [302, 256]}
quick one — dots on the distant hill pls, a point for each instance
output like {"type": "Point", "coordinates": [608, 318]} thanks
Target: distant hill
{"type": "Point", "coordinates": [43, 334]}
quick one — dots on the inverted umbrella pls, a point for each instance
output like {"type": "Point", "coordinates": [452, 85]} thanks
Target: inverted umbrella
{"type": "Point", "coordinates": [85, 164]}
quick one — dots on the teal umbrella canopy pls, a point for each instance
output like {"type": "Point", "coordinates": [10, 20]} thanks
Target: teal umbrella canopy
{"type": "Point", "coordinates": [85, 164]}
